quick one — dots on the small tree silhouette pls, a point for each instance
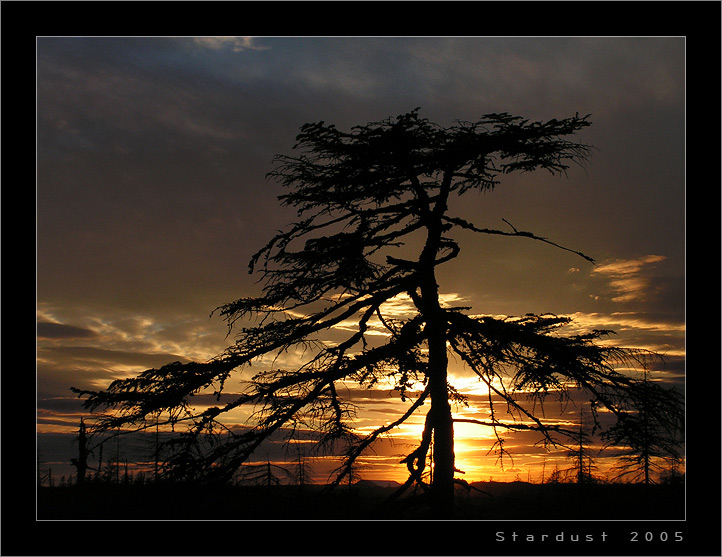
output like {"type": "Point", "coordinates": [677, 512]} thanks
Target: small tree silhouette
{"type": "Point", "coordinates": [302, 469]}
{"type": "Point", "coordinates": [581, 454]}
{"type": "Point", "coordinates": [266, 474]}
{"type": "Point", "coordinates": [374, 225]}
{"type": "Point", "coordinates": [81, 463]}
{"type": "Point", "coordinates": [649, 432]}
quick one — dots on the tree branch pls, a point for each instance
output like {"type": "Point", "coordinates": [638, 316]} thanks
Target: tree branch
{"type": "Point", "coordinates": [469, 226]}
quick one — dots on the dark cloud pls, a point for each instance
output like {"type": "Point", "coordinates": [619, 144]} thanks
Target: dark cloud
{"type": "Point", "coordinates": [66, 408]}
{"type": "Point", "coordinates": [48, 330]}
{"type": "Point", "coordinates": [110, 357]}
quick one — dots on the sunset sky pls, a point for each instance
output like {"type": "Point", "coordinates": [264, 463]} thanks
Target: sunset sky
{"type": "Point", "coordinates": [152, 197]}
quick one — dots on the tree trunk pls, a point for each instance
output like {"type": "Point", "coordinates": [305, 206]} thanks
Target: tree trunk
{"type": "Point", "coordinates": [82, 462]}
{"type": "Point", "coordinates": [442, 487]}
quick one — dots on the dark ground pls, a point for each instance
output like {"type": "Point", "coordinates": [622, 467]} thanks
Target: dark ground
{"type": "Point", "coordinates": [500, 501]}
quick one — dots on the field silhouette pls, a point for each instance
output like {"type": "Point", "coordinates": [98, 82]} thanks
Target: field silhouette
{"type": "Point", "coordinates": [364, 500]}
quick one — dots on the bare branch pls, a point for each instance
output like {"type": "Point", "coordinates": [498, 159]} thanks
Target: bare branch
{"type": "Point", "coordinates": [469, 226]}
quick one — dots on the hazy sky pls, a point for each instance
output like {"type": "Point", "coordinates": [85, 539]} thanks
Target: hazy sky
{"type": "Point", "coordinates": [151, 189]}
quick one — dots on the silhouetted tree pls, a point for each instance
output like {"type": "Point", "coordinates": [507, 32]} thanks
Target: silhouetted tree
{"type": "Point", "coordinates": [99, 470]}
{"type": "Point", "coordinates": [650, 432]}
{"type": "Point", "coordinates": [261, 474]}
{"type": "Point", "coordinates": [302, 469]}
{"type": "Point", "coordinates": [672, 475]}
{"type": "Point", "coordinates": [581, 454]}
{"type": "Point", "coordinates": [374, 225]}
{"type": "Point", "coordinates": [81, 463]}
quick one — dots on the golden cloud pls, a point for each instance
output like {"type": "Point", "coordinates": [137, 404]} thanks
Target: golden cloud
{"type": "Point", "coordinates": [627, 277]}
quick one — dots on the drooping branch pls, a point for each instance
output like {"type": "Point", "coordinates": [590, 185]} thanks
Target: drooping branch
{"type": "Point", "coordinates": [517, 233]}
{"type": "Point", "coordinates": [357, 449]}
{"type": "Point", "coordinates": [522, 354]}
{"type": "Point", "coordinates": [170, 386]}
{"type": "Point", "coordinates": [518, 426]}
{"type": "Point", "coordinates": [416, 460]}
{"type": "Point", "coordinates": [488, 374]}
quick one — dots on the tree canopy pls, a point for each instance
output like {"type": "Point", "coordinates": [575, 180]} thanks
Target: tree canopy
{"type": "Point", "coordinates": [373, 224]}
